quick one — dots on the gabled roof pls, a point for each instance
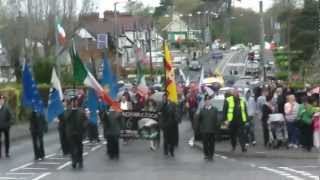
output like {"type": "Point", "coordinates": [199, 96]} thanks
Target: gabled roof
{"type": "Point", "coordinates": [176, 25]}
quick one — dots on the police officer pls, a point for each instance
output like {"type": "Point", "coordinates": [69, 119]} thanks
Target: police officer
{"type": "Point", "coordinates": [76, 122]}
{"type": "Point", "coordinates": [5, 123]}
{"type": "Point", "coordinates": [169, 124]}
{"type": "Point", "coordinates": [38, 126]}
{"type": "Point", "coordinates": [235, 113]}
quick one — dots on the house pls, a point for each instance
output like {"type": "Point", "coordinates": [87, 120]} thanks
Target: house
{"type": "Point", "coordinates": [178, 30]}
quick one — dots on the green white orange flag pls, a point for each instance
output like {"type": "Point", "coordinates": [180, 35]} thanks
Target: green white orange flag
{"type": "Point", "coordinates": [171, 86]}
{"type": "Point", "coordinates": [83, 76]}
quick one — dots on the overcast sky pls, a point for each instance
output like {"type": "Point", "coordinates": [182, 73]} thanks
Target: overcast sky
{"type": "Point", "coordinates": [108, 4]}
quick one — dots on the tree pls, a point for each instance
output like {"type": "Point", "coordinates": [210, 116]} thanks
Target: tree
{"type": "Point", "coordinates": [137, 8]}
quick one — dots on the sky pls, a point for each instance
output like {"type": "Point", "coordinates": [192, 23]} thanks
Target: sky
{"type": "Point", "coordinates": [108, 4]}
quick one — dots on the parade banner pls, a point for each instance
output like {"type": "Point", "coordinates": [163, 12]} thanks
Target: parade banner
{"type": "Point", "coordinates": [140, 124]}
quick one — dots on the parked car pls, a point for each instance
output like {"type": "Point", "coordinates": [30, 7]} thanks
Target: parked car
{"type": "Point", "coordinates": [195, 65]}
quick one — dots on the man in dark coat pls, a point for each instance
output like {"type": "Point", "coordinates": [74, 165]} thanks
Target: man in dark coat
{"type": "Point", "coordinates": [111, 125]}
{"type": "Point", "coordinates": [38, 126]}
{"type": "Point", "coordinates": [5, 123]}
{"type": "Point", "coordinates": [169, 125]}
{"type": "Point", "coordinates": [76, 122]}
{"type": "Point", "coordinates": [208, 122]}
{"type": "Point", "coordinates": [65, 147]}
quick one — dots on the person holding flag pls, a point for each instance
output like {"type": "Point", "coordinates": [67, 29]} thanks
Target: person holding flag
{"type": "Point", "coordinates": [56, 110]}
{"type": "Point", "coordinates": [32, 99]}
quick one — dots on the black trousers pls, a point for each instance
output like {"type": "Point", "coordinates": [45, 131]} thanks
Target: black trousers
{"type": "Point", "coordinates": [6, 133]}
{"type": "Point", "coordinates": [76, 148]}
{"type": "Point", "coordinates": [113, 147]}
{"type": "Point", "coordinates": [65, 147]}
{"type": "Point", "coordinates": [237, 131]}
{"type": "Point", "coordinates": [168, 143]}
{"type": "Point", "coordinates": [265, 130]}
{"type": "Point", "coordinates": [38, 148]}
{"type": "Point", "coordinates": [93, 133]}
{"type": "Point", "coordinates": [208, 140]}
{"type": "Point", "coordinates": [306, 136]}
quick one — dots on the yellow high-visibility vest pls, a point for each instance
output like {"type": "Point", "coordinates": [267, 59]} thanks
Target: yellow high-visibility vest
{"type": "Point", "coordinates": [231, 105]}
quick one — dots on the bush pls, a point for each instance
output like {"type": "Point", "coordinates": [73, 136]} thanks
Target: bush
{"type": "Point", "coordinates": [12, 96]}
{"type": "Point", "coordinates": [282, 75]}
{"type": "Point", "coordinates": [296, 85]}
{"type": "Point", "coordinates": [42, 69]}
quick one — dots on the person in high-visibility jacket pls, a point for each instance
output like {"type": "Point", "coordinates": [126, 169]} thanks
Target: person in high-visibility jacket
{"type": "Point", "coordinates": [235, 113]}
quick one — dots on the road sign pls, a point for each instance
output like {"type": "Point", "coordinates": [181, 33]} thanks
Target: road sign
{"type": "Point", "coordinates": [102, 41]}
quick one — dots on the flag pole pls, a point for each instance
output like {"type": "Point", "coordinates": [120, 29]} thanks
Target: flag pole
{"type": "Point", "coordinates": [164, 67]}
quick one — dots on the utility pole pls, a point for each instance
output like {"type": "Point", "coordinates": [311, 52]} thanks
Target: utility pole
{"type": "Point", "coordinates": [227, 23]}
{"type": "Point", "coordinates": [116, 38]}
{"type": "Point", "coordinates": [262, 60]}
{"type": "Point", "coordinates": [150, 51]}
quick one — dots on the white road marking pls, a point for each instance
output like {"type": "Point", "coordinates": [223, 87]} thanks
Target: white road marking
{"type": "Point", "coordinates": [104, 142]}
{"type": "Point", "coordinates": [281, 173]}
{"type": "Point", "coordinates": [303, 173]}
{"type": "Point", "coordinates": [21, 167]}
{"type": "Point", "coordinates": [224, 157]}
{"type": "Point", "coordinates": [42, 176]}
{"type": "Point", "coordinates": [9, 178]}
{"type": "Point", "coordinates": [49, 163]}
{"type": "Point", "coordinates": [95, 148]}
{"type": "Point", "coordinates": [51, 155]}
{"type": "Point", "coordinates": [56, 158]}
{"type": "Point", "coordinates": [18, 173]}
{"type": "Point", "coordinates": [35, 168]}
{"type": "Point", "coordinates": [64, 165]}
{"type": "Point", "coordinates": [85, 142]}
{"type": "Point", "coordinates": [85, 154]}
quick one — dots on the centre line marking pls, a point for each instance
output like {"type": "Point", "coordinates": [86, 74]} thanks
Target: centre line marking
{"type": "Point", "coordinates": [21, 167]}
{"type": "Point", "coordinates": [49, 163]}
{"type": "Point", "coordinates": [64, 165]}
{"type": "Point", "coordinates": [27, 168]}
{"type": "Point", "coordinates": [9, 178]}
{"type": "Point", "coordinates": [51, 155]}
{"type": "Point", "coordinates": [42, 176]}
{"type": "Point", "coordinates": [20, 173]}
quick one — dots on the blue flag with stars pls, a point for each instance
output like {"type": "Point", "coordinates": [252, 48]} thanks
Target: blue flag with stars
{"type": "Point", "coordinates": [109, 79]}
{"type": "Point", "coordinates": [31, 97]}
{"type": "Point", "coordinates": [93, 105]}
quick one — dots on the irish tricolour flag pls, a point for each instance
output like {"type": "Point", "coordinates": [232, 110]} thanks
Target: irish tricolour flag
{"type": "Point", "coordinates": [83, 76]}
{"type": "Point", "coordinates": [61, 34]}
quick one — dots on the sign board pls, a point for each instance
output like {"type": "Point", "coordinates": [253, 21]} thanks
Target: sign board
{"type": "Point", "coordinates": [102, 41]}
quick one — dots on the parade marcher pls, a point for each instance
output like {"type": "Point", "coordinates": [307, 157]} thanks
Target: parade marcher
{"type": "Point", "coordinates": [267, 109]}
{"type": "Point", "coordinates": [305, 114]}
{"type": "Point", "coordinates": [251, 108]}
{"type": "Point", "coordinates": [76, 122]}
{"type": "Point", "coordinates": [235, 112]}
{"type": "Point", "coordinates": [125, 105]}
{"type": "Point", "coordinates": [192, 105]}
{"type": "Point", "coordinates": [169, 126]}
{"type": "Point", "coordinates": [208, 120]}
{"type": "Point", "coordinates": [38, 126]}
{"type": "Point", "coordinates": [291, 109]}
{"type": "Point", "coordinates": [5, 123]}
{"type": "Point", "coordinates": [111, 124]}
{"type": "Point", "coordinates": [65, 146]}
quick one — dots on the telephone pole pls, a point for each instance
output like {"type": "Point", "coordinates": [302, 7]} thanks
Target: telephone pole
{"type": "Point", "coordinates": [262, 41]}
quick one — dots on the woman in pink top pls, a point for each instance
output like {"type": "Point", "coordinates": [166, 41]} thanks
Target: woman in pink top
{"type": "Point", "coordinates": [291, 109]}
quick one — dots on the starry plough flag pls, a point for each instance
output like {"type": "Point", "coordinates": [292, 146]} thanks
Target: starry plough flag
{"type": "Point", "coordinates": [31, 97]}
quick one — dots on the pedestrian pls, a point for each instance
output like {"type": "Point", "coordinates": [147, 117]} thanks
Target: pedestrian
{"type": "Point", "coordinates": [111, 124]}
{"type": "Point", "coordinates": [267, 109]}
{"type": "Point", "coordinates": [208, 120]}
{"type": "Point", "coordinates": [192, 105]}
{"type": "Point", "coordinates": [291, 109]}
{"type": "Point", "coordinates": [76, 123]}
{"type": "Point", "coordinates": [65, 146]}
{"type": "Point", "coordinates": [305, 114]}
{"type": "Point", "coordinates": [235, 112]}
{"type": "Point", "coordinates": [251, 107]}
{"type": "Point", "coordinates": [169, 126]}
{"type": "Point", "coordinates": [38, 126]}
{"type": "Point", "coordinates": [6, 119]}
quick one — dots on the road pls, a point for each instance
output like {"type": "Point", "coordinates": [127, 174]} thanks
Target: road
{"type": "Point", "coordinates": [138, 162]}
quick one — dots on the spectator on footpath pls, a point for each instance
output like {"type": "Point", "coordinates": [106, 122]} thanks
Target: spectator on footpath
{"type": "Point", "coordinates": [38, 126]}
{"type": "Point", "coordinates": [305, 114]}
{"type": "Point", "coordinates": [251, 108]}
{"type": "Point", "coordinates": [208, 122]}
{"type": "Point", "coordinates": [267, 109]}
{"type": "Point", "coordinates": [291, 109]}
{"type": "Point", "coordinates": [6, 119]}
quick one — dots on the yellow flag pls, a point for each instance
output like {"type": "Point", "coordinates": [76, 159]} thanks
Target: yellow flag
{"type": "Point", "coordinates": [171, 86]}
